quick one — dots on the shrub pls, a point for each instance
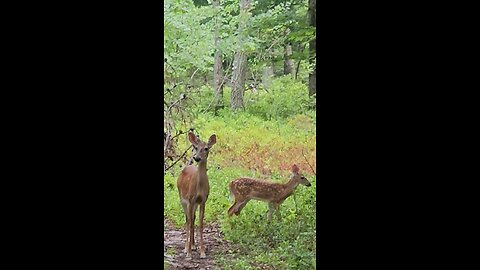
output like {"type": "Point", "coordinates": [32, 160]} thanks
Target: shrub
{"type": "Point", "coordinates": [286, 97]}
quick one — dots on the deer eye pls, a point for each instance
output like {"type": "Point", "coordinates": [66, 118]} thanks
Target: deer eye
{"type": "Point", "coordinates": [206, 148]}
{"type": "Point", "coordinates": [302, 177]}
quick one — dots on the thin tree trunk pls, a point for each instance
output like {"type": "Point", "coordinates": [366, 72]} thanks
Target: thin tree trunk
{"type": "Point", "coordinates": [300, 50]}
{"type": "Point", "coordinates": [239, 63]}
{"type": "Point", "coordinates": [297, 69]}
{"type": "Point", "coordinates": [217, 65]}
{"type": "Point", "coordinates": [267, 76]}
{"type": "Point", "coordinates": [288, 65]}
{"type": "Point", "coordinates": [312, 77]}
{"type": "Point", "coordinates": [273, 67]}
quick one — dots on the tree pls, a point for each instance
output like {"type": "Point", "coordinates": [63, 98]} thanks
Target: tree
{"type": "Point", "coordinates": [288, 66]}
{"type": "Point", "coordinates": [217, 63]}
{"type": "Point", "coordinates": [312, 77]}
{"type": "Point", "coordinates": [240, 60]}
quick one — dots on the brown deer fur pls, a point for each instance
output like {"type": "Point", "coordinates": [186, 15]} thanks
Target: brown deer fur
{"type": "Point", "coordinates": [193, 189]}
{"type": "Point", "coordinates": [245, 189]}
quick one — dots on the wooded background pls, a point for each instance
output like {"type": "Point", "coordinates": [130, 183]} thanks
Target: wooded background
{"type": "Point", "coordinates": [234, 46]}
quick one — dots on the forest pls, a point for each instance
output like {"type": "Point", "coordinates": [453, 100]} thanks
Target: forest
{"type": "Point", "coordinates": [245, 71]}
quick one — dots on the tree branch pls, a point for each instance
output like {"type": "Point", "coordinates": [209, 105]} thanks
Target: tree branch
{"type": "Point", "coordinates": [176, 161]}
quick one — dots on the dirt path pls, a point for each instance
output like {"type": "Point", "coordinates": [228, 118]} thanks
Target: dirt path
{"type": "Point", "coordinates": [174, 243]}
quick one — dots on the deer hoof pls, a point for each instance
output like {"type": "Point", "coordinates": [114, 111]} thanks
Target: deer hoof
{"type": "Point", "coordinates": [202, 255]}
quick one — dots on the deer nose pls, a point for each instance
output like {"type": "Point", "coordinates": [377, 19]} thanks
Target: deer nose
{"type": "Point", "coordinates": [197, 159]}
{"type": "Point", "coordinates": [308, 184]}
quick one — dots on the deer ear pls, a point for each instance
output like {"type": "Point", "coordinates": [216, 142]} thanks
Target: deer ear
{"type": "Point", "coordinates": [192, 138]}
{"type": "Point", "coordinates": [212, 140]}
{"type": "Point", "coordinates": [295, 168]}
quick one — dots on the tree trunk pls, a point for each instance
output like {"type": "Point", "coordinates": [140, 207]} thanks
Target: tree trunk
{"type": "Point", "coordinates": [312, 77]}
{"type": "Point", "coordinates": [273, 67]}
{"type": "Point", "coordinates": [217, 65]}
{"type": "Point", "coordinates": [267, 76]}
{"type": "Point", "coordinates": [218, 80]}
{"type": "Point", "coordinates": [238, 80]}
{"type": "Point", "coordinates": [239, 63]}
{"type": "Point", "coordinates": [288, 66]}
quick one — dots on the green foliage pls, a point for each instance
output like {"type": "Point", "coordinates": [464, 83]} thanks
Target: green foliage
{"type": "Point", "coordinates": [201, 100]}
{"type": "Point", "coordinates": [266, 27]}
{"type": "Point", "coordinates": [302, 122]}
{"type": "Point", "coordinates": [285, 97]}
{"type": "Point", "coordinates": [187, 41]}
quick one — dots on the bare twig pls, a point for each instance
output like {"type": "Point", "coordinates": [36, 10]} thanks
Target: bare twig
{"type": "Point", "coordinates": [191, 78]}
{"type": "Point", "coordinates": [168, 135]}
{"type": "Point", "coordinates": [176, 161]}
{"type": "Point", "coordinates": [178, 134]}
{"type": "Point", "coordinates": [308, 163]}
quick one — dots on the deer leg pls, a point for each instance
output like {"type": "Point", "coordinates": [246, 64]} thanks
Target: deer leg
{"type": "Point", "coordinates": [277, 211]}
{"type": "Point", "coordinates": [185, 210]}
{"type": "Point", "coordinates": [202, 247]}
{"type": "Point", "coordinates": [241, 206]}
{"type": "Point", "coordinates": [187, 225]}
{"type": "Point", "coordinates": [233, 208]}
{"type": "Point", "coordinates": [193, 228]}
{"type": "Point", "coordinates": [271, 208]}
{"type": "Point", "coordinates": [191, 231]}
{"type": "Point", "coordinates": [230, 210]}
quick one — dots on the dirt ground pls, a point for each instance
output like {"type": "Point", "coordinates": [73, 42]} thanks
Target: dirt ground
{"type": "Point", "coordinates": [174, 244]}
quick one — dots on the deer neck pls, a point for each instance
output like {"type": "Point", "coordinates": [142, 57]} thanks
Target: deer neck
{"type": "Point", "coordinates": [202, 179]}
{"type": "Point", "coordinates": [288, 188]}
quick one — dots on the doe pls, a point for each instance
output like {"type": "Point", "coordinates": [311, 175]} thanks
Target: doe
{"type": "Point", "coordinates": [193, 189]}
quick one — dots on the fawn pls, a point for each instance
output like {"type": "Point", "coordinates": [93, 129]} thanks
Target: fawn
{"type": "Point", "coordinates": [193, 189]}
{"type": "Point", "coordinates": [246, 189]}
